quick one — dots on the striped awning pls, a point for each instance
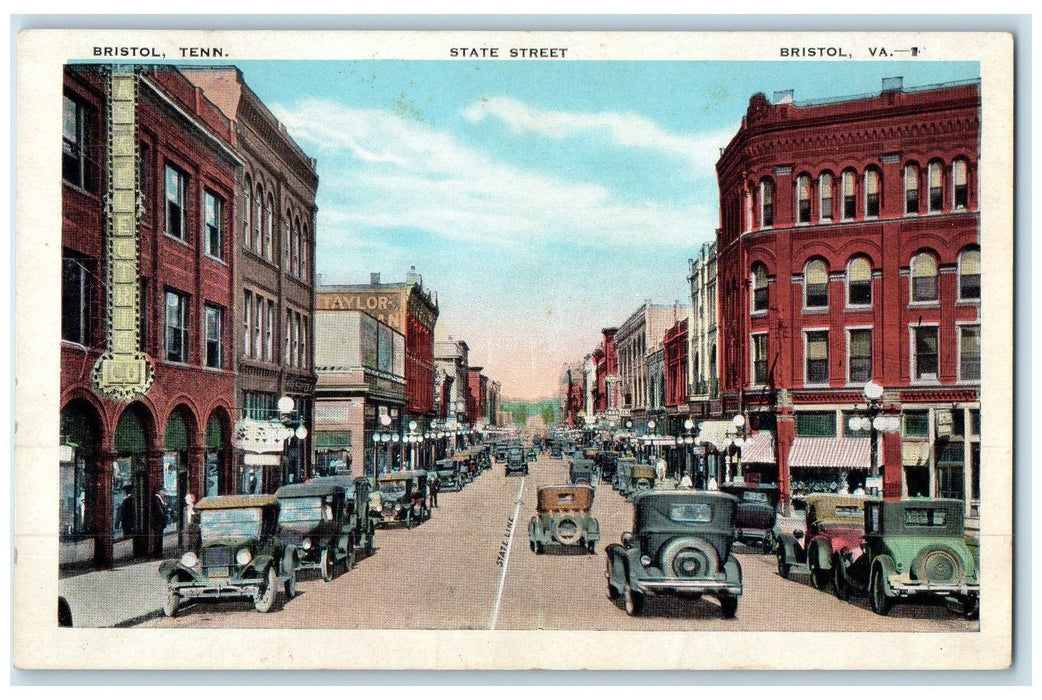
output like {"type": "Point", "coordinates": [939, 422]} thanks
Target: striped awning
{"type": "Point", "coordinates": [830, 453]}
{"type": "Point", "coordinates": [759, 449]}
{"type": "Point", "coordinates": [715, 432]}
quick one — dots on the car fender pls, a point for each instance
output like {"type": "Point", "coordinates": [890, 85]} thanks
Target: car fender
{"type": "Point", "coordinates": [787, 543]}
{"type": "Point", "coordinates": [617, 565]}
{"type": "Point", "coordinates": [174, 569]}
{"type": "Point", "coordinates": [593, 530]}
{"type": "Point", "coordinates": [260, 564]}
{"type": "Point", "coordinates": [886, 564]}
{"type": "Point", "coordinates": [733, 570]}
{"type": "Point", "coordinates": [821, 551]}
{"type": "Point", "coordinates": [535, 533]}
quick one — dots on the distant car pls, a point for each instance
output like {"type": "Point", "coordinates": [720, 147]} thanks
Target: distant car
{"type": "Point", "coordinates": [448, 474]}
{"type": "Point", "coordinates": [623, 469]}
{"type": "Point", "coordinates": [555, 450]}
{"type": "Point", "coordinates": [607, 462]}
{"type": "Point", "coordinates": [641, 478]}
{"type": "Point", "coordinates": [915, 548]}
{"type": "Point", "coordinates": [681, 544]}
{"type": "Point", "coordinates": [400, 498]}
{"type": "Point", "coordinates": [580, 471]}
{"type": "Point", "coordinates": [834, 523]}
{"type": "Point", "coordinates": [240, 555]}
{"type": "Point", "coordinates": [563, 518]}
{"type": "Point", "coordinates": [757, 514]}
{"type": "Point", "coordinates": [516, 462]}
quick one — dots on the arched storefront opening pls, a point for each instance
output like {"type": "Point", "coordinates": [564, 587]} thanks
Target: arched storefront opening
{"type": "Point", "coordinates": [78, 468]}
{"type": "Point", "coordinates": [215, 463]}
{"type": "Point", "coordinates": [175, 467]}
{"type": "Point", "coordinates": [130, 479]}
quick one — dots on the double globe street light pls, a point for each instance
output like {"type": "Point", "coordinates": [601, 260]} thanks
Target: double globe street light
{"type": "Point", "coordinates": [874, 422]}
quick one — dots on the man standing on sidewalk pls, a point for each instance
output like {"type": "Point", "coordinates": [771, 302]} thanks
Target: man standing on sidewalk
{"type": "Point", "coordinates": [158, 523]}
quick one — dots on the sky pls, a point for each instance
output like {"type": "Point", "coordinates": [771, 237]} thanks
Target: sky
{"type": "Point", "coordinates": [541, 201]}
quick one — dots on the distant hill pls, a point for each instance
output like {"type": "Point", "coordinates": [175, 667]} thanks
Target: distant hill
{"type": "Point", "coordinates": [533, 413]}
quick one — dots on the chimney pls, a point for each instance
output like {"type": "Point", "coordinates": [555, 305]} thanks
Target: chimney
{"type": "Point", "coordinates": [374, 279]}
{"type": "Point", "coordinates": [319, 279]}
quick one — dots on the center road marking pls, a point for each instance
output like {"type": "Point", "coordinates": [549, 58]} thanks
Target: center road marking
{"type": "Point", "coordinates": [506, 560]}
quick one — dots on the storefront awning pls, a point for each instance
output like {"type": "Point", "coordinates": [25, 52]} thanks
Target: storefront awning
{"type": "Point", "coordinates": [715, 433]}
{"type": "Point", "coordinates": [759, 449]}
{"type": "Point", "coordinates": [830, 453]}
{"type": "Point", "coordinates": [915, 454]}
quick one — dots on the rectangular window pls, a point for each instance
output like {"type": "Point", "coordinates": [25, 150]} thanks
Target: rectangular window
{"type": "Point", "coordinates": [916, 424]}
{"type": "Point", "coordinates": [268, 230]}
{"type": "Point", "coordinates": [969, 275]}
{"type": "Point", "coordinates": [77, 300]}
{"type": "Point", "coordinates": [816, 424]}
{"type": "Point", "coordinates": [860, 360]}
{"type": "Point", "coordinates": [974, 421]}
{"type": "Point", "coordinates": [803, 199]}
{"type": "Point", "coordinates": [959, 184]}
{"type": "Point", "coordinates": [825, 185]}
{"type": "Point", "coordinates": [969, 353]}
{"type": "Point", "coordinates": [295, 349]}
{"type": "Point", "coordinates": [936, 192]}
{"type": "Point", "coordinates": [871, 193]}
{"type": "Point", "coordinates": [258, 319]}
{"type": "Point", "coordinates": [214, 337]}
{"type": "Point", "coordinates": [760, 358]}
{"type": "Point", "coordinates": [849, 196]}
{"type": "Point", "coordinates": [176, 327]}
{"type": "Point", "coordinates": [176, 203]}
{"type": "Point", "coordinates": [144, 164]}
{"type": "Point", "coordinates": [817, 357]}
{"type": "Point", "coordinates": [247, 331]}
{"type": "Point", "coordinates": [911, 189]}
{"type": "Point", "coordinates": [950, 464]}
{"type": "Point", "coordinates": [214, 223]}
{"type": "Point", "coordinates": [269, 331]}
{"type": "Point", "coordinates": [286, 357]}
{"type": "Point", "coordinates": [304, 342]}
{"type": "Point", "coordinates": [926, 352]}
{"type": "Point", "coordinates": [77, 167]}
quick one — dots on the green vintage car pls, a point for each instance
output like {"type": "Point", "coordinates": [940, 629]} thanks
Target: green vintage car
{"type": "Point", "coordinates": [240, 554]}
{"type": "Point", "coordinates": [641, 478]}
{"type": "Point", "coordinates": [563, 518]}
{"type": "Point", "coordinates": [449, 475]}
{"type": "Point", "coordinates": [400, 498]}
{"type": "Point", "coordinates": [916, 548]}
{"type": "Point", "coordinates": [581, 471]}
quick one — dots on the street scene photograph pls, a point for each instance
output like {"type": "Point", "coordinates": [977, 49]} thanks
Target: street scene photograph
{"type": "Point", "coordinates": [515, 341]}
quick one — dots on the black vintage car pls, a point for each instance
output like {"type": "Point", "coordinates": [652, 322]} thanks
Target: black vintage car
{"type": "Point", "coordinates": [681, 544]}
{"type": "Point", "coordinates": [400, 498]}
{"type": "Point", "coordinates": [321, 520]}
{"type": "Point", "coordinates": [449, 475]}
{"type": "Point", "coordinates": [240, 554]}
{"type": "Point", "coordinates": [580, 471]}
{"type": "Point", "coordinates": [607, 462]}
{"type": "Point", "coordinates": [641, 478]}
{"type": "Point", "coordinates": [623, 469]}
{"type": "Point", "coordinates": [757, 514]}
{"type": "Point", "coordinates": [516, 462]}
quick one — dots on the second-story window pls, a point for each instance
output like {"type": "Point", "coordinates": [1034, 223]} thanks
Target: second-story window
{"type": "Point", "coordinates": [214, 337]}
{"type": "Point", "coordinates": [925, 339]}
{"type": "Point", "coordinates": [214, 214]}
{"type": "Point", "coordinates": [78, 280]}
{"type": "Point", "coordinates": [825, 189]}
{"type": "Point", "coordinates": [969, 353]}
{"type": "Point", "coordinates": [269, 330]}
{"type": "Point", "coordinates": [77, 166]}
{"type": "Point", "coordinates": [766, 204]}
{"type": "Point", "coordinates": [760, 358]}
{"type": "Point", "coordinates": [911, 189]}
{"type": "Point", "coordinates": [817, 357]}
{"type": "Point", "coordinates": [247, 328]}
{"type": "Point", "coordinates": [969, 274]}
{"type": "Point", "coordinates": [849, 195]}
{"type": "Point", "coordinates": [760, 294]}
{"type": "Point", "coordinates": [959, 187]}
{"type": "Point", "coordinates": [176, 203]}
{"type": "Point", "coordinates": [871, 192]}
{"type": "Point", "coordinates": [924, 278]}
{"type": "Point", "coordinates": [860, 359]}
{"type": "Point", "coordinates": [176, 327]}
{"type": "Point", "coordinates": [803, 199]}
{"type": "Point", "coordinates": [859, 282]}
{"type": "Point", "coordinates": [816, 283]}
{"type": "Point", "coordinates": [934, 176]}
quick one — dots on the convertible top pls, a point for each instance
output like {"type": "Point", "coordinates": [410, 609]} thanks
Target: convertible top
{"type": "Point", "coordinates": [564, 498]}
{"type": "Point", "coordinates": [242, 501]}
{"type": "Point", "coordinates": [311, 488]}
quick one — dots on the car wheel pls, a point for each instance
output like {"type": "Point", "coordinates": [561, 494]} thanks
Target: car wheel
{"type": "Point", "coordinates": [768, 543]}
{"type": "Point", "coordinates": [591, 546]}
{"type": "Point", "coordinates": [840, 585]}
{"type": "Point", "coordinates": [326, 565]}
{"type": "Point", "coordinates": [173, 602]}
{"type": "Point", "coordinates": [971, 606]}
{"type": "Point", "coordinates": [369, 542]}
{"type": "Point", "coordinates": [728, 606]}
{"type": "Point", "coordinates": [818, 576]}
{"type": "Point", "coordinates": [349, 560]}
{"type": "Point", "coordinates": [634, 601]}
{"type": "Point", "coordinates": [266, 598]}
{"type": "Point", "coordinates": [881, 602]}
{"type": "Point", "coordinates": [689, 557]}
{"type": "Point", "coordinates": [539, 548]}
{"type": "Point", "coordinates": [784, 568]}
{"type": "Point", "coordinates": [291, 586]}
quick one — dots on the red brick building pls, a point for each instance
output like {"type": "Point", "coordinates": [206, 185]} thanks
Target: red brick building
{"type": "Point", "coordinates": [674, 346]}
{"type": "Point", "coordinates": [176, 438]}
{"type": "Point", "coordinates": [848, 252]}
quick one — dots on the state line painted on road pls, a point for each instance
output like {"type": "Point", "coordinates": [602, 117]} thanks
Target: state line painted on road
{"type": "Point", "coordinates": [506, 561]}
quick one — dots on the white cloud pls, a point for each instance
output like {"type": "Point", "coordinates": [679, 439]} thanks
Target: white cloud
{"type": "Point", "coordinates": [380, 169]}
{"type": "Point", "coordinates": [626, 129]}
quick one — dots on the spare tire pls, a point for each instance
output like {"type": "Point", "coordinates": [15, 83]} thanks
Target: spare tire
{"type": "Point", "coordinates": [689, 557]}
{"type": "Point", "coordinates": [567, 530]}
{"type": "Point", "coordinates": [937, 564]}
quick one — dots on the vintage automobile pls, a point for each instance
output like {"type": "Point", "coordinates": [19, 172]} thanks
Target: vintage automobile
{"type": "Point", "coordinates": [642, 478]}
{"type": "Point", "coordinates": [834, 523]}
{"type": "Point", "coordinates": [321, 518]}
{"type": "Point", "coordinates": [240, 554]}
{"type": "Point", "coordinates": [531, 454]}
{"type": "Point", "coordinates": [681, 544]}
{"type": "Point", "coordinates": [449, 475]}
{"type": "Point", "coordinates": [914, 548]}
{"type": "Point", "coordinates": [556, 452]}
{"type": "Point", "coordinates": [580, 471]}
{"type": "Point", "coordinates": [607, 463]}
{"type": "Point", "coordinates": [500, 451]}
{"type": "Point", "coordinates": [563, 518]}
{"type": "Point", "coordinates": [516, 462]}
{"type": "Point", "coordinates": [757, 514]}
{"type": "Point", "coordinates": [400, 498]}
{"type": "Point", "coordinates": [624, 467]}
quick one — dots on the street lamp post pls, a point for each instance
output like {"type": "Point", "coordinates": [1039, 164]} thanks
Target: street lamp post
{"type": "Point", "coordinates": [739, 442]}
{"type": "Point", "coordinates": [688, 441]}
{"type": "Point", "coordinates": [875, 423]}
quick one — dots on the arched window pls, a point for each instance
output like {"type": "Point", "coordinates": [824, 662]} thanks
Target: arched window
{"type": "Point", "coordinates": [924, 278]}
{"type": "Point", "coordinates": [759, 287]}
{"type": "Point", "coordinates": [294, 263]}
{"type": "Point", "coordinates": [872, 192]}
{"type": "Point", "coordinates": [803, 199]}
{"type": "Point", "coordinates": [936, 186]}
{"type": "Point", "coordinates": [825, 190]}
{"type": "Point", "coordinates": [247, 211]}
{"type": "Point", "coordinates": [304, 254]}
{"type": "Point", "coordinates": [969, 274]}
{"type": "Point", "coordinates": [849, 194]}
{"type": "Point", "coordinates": [859, 282]}
{"type": "Point", "coordinates": [766, 203]}
{"type": "Point", "coordinates": [269, 227]}
{"type": "Point", "coordinates": [959, 174]}
{"type": "Point", "coordinates": [258, 214]}
{"type": "Point", "coordinates": [285, 242]}
{"type": "Point", "coordinates": [911, 189]}
{"type": "Point", "coordinates": [816, 285]}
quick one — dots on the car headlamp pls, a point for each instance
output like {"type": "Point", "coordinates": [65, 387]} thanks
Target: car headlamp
{"type": "Point", "coordinates": [189, 560]}
{"type": "Point", "coordinates": [398, 509]}
{"type": "Point", "coordinates": [306, 544]}
{"type": "Point", "coordinates": [645, 560]}
{"type": "Point", "coordinates": [898, 567]}
{"type": "Point", "coordinates": [243, 557]}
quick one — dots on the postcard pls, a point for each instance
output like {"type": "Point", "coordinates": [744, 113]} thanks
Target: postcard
{"type": "Point", "coordinates": [513, 350]}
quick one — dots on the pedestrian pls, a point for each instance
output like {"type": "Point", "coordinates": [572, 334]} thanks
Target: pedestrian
{"type": "Point", "coordinates": [434, 487]}
{"type": "Point", "coordinates": [712, 484]}
{"type": "Point", "coordinates": [660, 470]}
{"type": "Point", "coordinates": [158, 523]}
{"type": "Point", "coordinates": [126, 512]}
{"type": "Point", "coordinates": [685, 482]}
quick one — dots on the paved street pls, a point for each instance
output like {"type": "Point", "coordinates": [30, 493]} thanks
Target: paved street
{"type": "Point", "coordinates": [447, 574]}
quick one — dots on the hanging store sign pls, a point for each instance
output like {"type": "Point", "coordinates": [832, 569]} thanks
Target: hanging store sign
{"type": "Point", "coordinates": [260, 436]}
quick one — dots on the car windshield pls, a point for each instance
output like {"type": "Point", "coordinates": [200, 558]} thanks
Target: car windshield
{"type": "Point", "coordinates": [394, 489]}
{"type": "Point", "coordinates": [691, 512]}
{"type": "Point", "coordinates": [299, 511]}
{"type": "Point", "coordinates": [924, 517]}
{"type": "Point", "coordinates": [849, 512]}
{"type": "Point", "coordinates": [754, 497]}
{"type": "Point", "coordinates": [240, 523]}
